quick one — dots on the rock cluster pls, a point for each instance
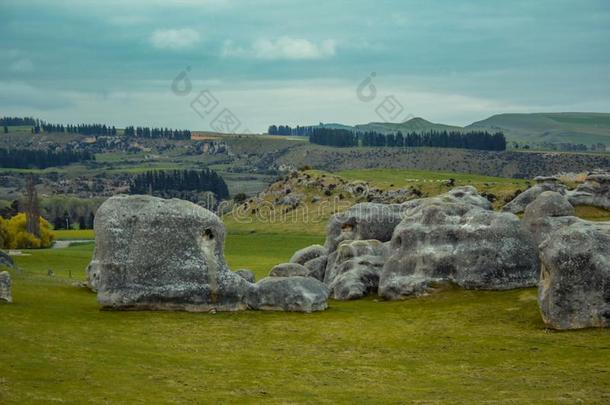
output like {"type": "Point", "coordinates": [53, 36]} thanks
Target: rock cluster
{"type": "Point", "coordinates": [595, 191]}
{"type": "Point", "coordinates": [5, 287]}
{"type": "Point", "coordinates": [520, 202]}
{"type": "Point", "coordinates": [574, 287]}
{"type": "Point", "coordinates": [161, 254]}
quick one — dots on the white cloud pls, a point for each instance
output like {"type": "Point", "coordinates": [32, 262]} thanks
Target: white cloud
{"type": "Point", "coordinates": [182, 38]}
{"type": "Point", "coordinates": [286, 48]}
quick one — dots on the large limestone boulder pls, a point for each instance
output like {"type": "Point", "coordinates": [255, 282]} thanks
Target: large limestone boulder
{"type": "Point", "coordinates": [361, 222]}
{"type": "Point", "coordinates": [458, 243]}
{"type": "Point", "coordinates": [546, 213]}
{"type": "Point", "coordinates": [289, 270]}
{"type": "Point", "coordinates": [161, 254]}
{"type": "Point", "coordinates": [574, 289]}
{"type": "Point", "coordinates": [317, 267]}
{"type": "Point", "coordinates": [5, 287]}
{"type": "Point", "coordinates": [304, 255]}
{"type": "Point", "coordinates": [299, 294]}
{"type": "Point", "coordinates": [353, 269]}
{"type": "Point", "coordinates": [246, 274]}
{"type": "Point", "coordinates": [520, 202]}
{"type": "Point", "coordinates": [459, 195]}
{"type": "Point", "coordinates": [595, 191]}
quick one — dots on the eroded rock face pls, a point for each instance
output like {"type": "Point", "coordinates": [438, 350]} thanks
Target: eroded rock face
{"type": "Point", "coordinates": [520, 202]}
{"type": "Point", "coordinates": [289, 270]}
{"type": "Point", "coordinates": [304, 255]}
{"type": "Point", "coordinates": [317, 267]}
{"type": "Point", "coordinates": [546, 213]}
{"type": "Point", "coordinates": [595, 191]}
{"type": "Point", "coordinates": [300, 294]}
{"type": "Point", "coordinates": [246, 274]}
{"type": "Point", "coordinates": [353, 269]}
{"type": "Point", "coordinates": [161, 254]}
{"type": "Point", "coordinates": [574, 289]}
{"type": "Point", "coordinates": [458, 243]}
{"type": "Point", "coordinates": [361, 222]}
{"type": "Point", "coordinates": [5, 287]}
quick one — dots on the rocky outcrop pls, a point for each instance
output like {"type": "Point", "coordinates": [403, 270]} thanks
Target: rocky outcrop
{"type": "Point", "coordinates": [361, 222]}
{"type": "Point", "coordinates": [304, 255]}
{"type": "Point", "coordinates": [300, 294]}
{"type": "Point", "coordinates": [518, 205]}
{"type": "Point", "coordinates": [457, 243]}
{"type": "Point", "coordinates": [161, 254]}
{"type": "Point", "coordinates": [595, 191]}
{"type": "Point", "coordinates": [5, 287]}
{"type": "Point", "coordinates": [289, 270]}
{"type": "Point", "coordinates": [574, 289]}
{"type": "Point", "coordinates": [246, 274]}
{"type": "Point", "coordinates": [317, 267]}
{"type": "Point", "coordinates": [353, 269]}
{"type": "Point", "coordinates": [546, 213]}
{"type": "Point", "coordinates": [459, 195]}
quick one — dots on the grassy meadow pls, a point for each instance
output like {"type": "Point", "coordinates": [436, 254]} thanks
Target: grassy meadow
{"type": "Point", "coordinates": [454, 347]}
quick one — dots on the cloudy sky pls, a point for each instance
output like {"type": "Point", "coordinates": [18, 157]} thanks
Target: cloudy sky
{"type": "Point", "coordinates": [300, 62]}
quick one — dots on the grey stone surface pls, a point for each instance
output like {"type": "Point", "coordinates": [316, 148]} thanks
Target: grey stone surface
{"type": "Point", "coordinates": [574, 288]}
{"type": "Point", "coordinates": [5, 287]}
{"type": "Point", "coordinates": [161, 254]}
{"type": "Point", "coordinates": [246, 274]}
{"type": "Point", "coordinates": [304, 255]}
{"type": "Point", "coordinates": [595, 191]}
{"type": "Point", "coordinates": [546, 213]}
{"type": "Point", "coordinates": [353, 269]}
{"type": "Point", "coordinates": [289, 270]}
{"type": "Point", "coordinates": [317, 267]}
{"type": "Point", "coordinates": [361, 222]}
{"type": "Point", "coordinates": [520, 202]}
{"type": "Point", "coordinates": [458, 243]}
{"type": "Point", "coordinates": [297, 294]}
{"type": "Point", "coordinates": [459, 195]}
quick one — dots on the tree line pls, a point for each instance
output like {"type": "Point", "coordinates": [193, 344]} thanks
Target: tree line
{"type": "Point", "coordinates": [17, 121]}
{"type": "Point", "coordinates": [288, 130]}
{"type": "Point", "coordinates": [440, 139]}
{"type": "Point", "coordinates": [175, 181]}
{"type": "Point", "coordinates": [155, 133]}
{"type": "Point", "coordinates": [41, 159]}
{"type": "Point", "coordinates": [83, 129]}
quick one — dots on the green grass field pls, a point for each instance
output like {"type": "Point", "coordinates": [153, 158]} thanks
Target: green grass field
{"type": "Point", "coordinates": [455, 347]}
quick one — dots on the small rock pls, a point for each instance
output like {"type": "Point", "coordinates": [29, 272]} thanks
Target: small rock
{"type": "Point", "coordinates": [5, 287]}
{"type": "Point", "coordinates": [289, 270]}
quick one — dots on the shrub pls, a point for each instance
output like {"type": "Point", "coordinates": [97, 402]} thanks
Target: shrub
{"type": "Point", "coordinates": [13, 234]}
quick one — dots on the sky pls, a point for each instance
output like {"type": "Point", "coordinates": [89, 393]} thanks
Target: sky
{"type": "Point", "coordinates": [243, 65]}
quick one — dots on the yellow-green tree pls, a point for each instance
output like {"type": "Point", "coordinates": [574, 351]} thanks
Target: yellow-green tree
{"type": "Point", "coordinates": [14, 234]}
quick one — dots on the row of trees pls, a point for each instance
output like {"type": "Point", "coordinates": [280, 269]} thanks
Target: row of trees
{"type": "Point", "coordinates": [167, 183]}
{"type": "Point", "coordinates": [333, 137]}
{"type": "Point", "coordinates": [41, 159]}
{"type": "Point", "coordinates": [288, 130]}
{"type": "Point", "coordinates": [145, 132]}
{"type": "Point", "coordinates": [17, 121]}
{"type": "Point", "coordinates": [439, 139]}
{"type": "Point", "coordinates": [84, 129]}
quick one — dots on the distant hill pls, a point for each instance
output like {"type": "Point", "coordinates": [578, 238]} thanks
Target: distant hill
{"type": "Point", "coordinates": [537, 128]}
{"type": "Point", "coordinates": [533, 129]}
{"type": "Point", "coordinates": [413, 125]}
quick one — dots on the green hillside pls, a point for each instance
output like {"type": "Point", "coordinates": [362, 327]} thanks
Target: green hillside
{"type": "Point", "coordinates": [413, 125]}
{"type": "Point", "coordinates": [585, 128]}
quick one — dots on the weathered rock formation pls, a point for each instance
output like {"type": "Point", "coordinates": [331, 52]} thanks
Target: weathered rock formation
{"type": "Point", "coordinates": [361, 222]}
{"type": "Point", "coordinates": [520, 202]}
{"type": "Point", "coordinates": [574, 289]}
{"type": "Point", "coordinates": [457, 243]}
{"type": "Point", "coordinates": [546, 213]}
{"type": "Point", "coordinates": [6, 260]}
{"type": "Point", "coordinates": [168, 255]}
{"type": "Point", "coordinates": [246, 274]}
{"type": "Point", "coordinates": [353, 269]}
{"type": "Point", "coordinates": [301, 294]}
{"type": "Point", "coordinates": [304, 255]}
{"type": "Point", "coordinates": [5, 287]}
{"type": "Point", "coordinates": [289, 270]}
{"type": "Point", "coordinates": [595, 191]}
